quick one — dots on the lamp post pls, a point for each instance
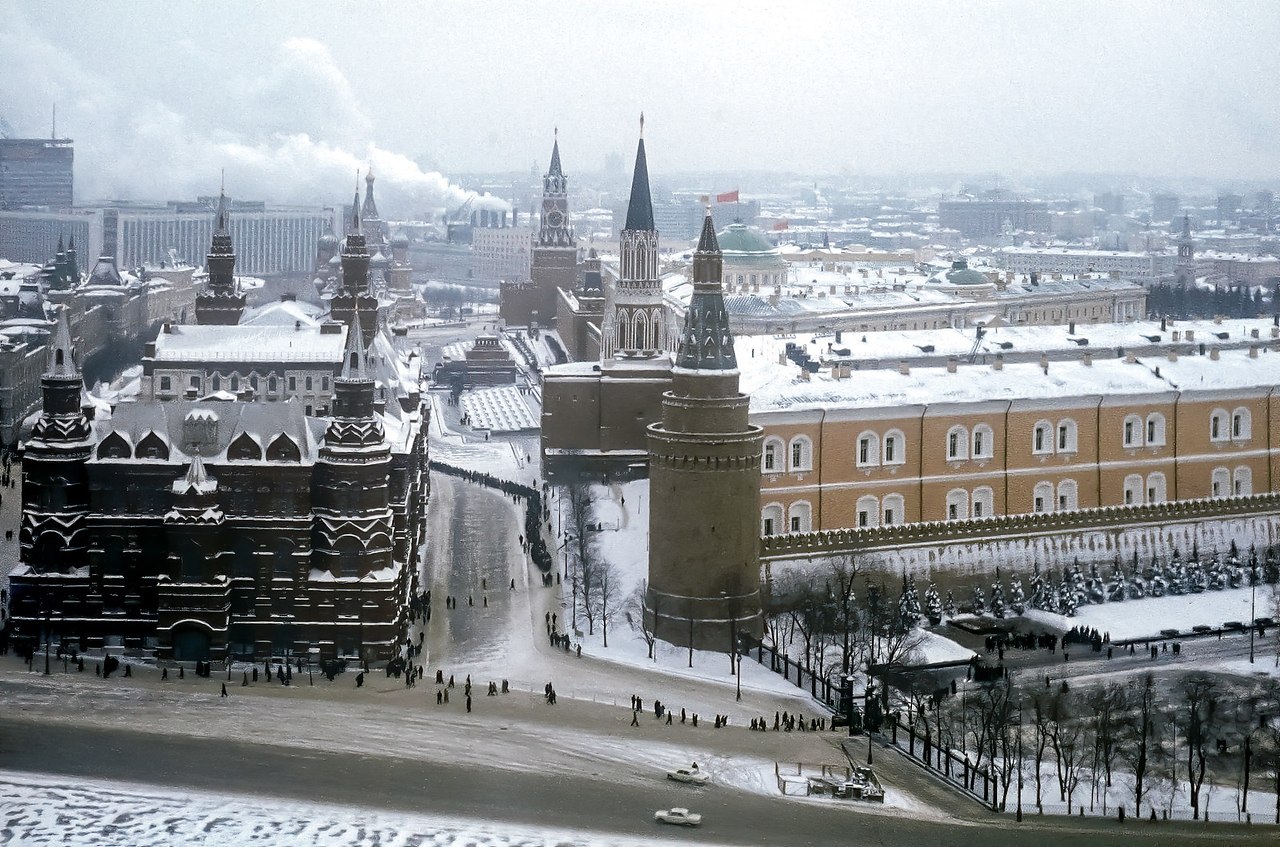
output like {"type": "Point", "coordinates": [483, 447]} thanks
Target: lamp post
{"type": "Point", "coordinates": [1253, 601]}
{"type": "Point", "coordinates": [1019, 759]}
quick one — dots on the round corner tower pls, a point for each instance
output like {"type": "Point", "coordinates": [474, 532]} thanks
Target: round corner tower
{"type": "Point", "coordinates": [704, 482]}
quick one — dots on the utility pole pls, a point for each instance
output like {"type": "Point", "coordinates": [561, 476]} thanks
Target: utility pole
{"type": "Point", "coordinates": [1019, 817]}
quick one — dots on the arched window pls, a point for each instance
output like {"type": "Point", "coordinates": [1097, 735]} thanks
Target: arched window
{"type": "Point", "coordinates": [620, 333]}
{"type": "Point", "coordinates": [1042, 497]}
{"type": "Point", "coordinates": [283, 449]}
{"type": "Point", "coordinates": [771, 519]}
{"type": "Point", "coordinates": [868, 512]}
{"type": "Point", "coordinates": [894, 511]}
{"type": "Point", "coordinates": [957, 444]}
{"type": "Point", "coordinates": [1066, 436]}
{"type": "Point", "coordinates": [244, 447]}
{"type": "Point", "coordinates": [282, 558]}
{"type": "Point", "coordinates": [868, 449]}
{"type": "Point", "coordinates": [772, 461]}
{"type": "Point", "coordinates": [1132, 431]}
{"type": "Point", "coordinates": [1241, 425]}
{"type": "Point", "coordinates": [1133, 490]}
{"type": "Point", "coordinates": [957, 504]}
{"type": "Point", "coordinates": [1218, 425]}
{"type": "Point", "coordinates": [348, 551]}
{"type": "Point", "coordinates": [1242, 481]}
{"type": "Point", "coordinates": [114, 446]}
{"type": "Point", "coordinates": [1042, 438]}
{"type": "Point", "coordinates": [801, 454]}
{"type": "Point", "coordinates": [641, 329]}
{"type": "Point", "coordinates": [152, 446]}
{"type": "Point", "coordinates": [801, 516]}
{"type": "Point", "coordinates": [895, 447]}
{"type": "Point", "coordinates": [1157, 490]}
{"type": "Point", "coordinates": [984, 442]}
{"type": "Point", "coordinates": [1155, 429]}
{"type": "Point", "coordinates": [1068, 498]}
{"type": "Point", "coordinates": [982, 504]}
{"type": "Point", "coordinates": [1220, 483]}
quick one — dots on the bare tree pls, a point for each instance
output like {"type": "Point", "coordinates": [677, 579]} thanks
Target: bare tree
{"type": "Point", "coordinates": [1041, 707]}
{"type": "Point", "coordinates": [580, 545]}
{"type": "Point", "coordinates": [1140, 735]}
{"type": "Point", "coordinates": [634, 610]}
{"type": "Point", "coordinates": [1106, 704]}
{"type": "Point", "coordinates": [844, 570]}
{"type": "Point", "coordinates": [1066, 733]}
{"type": "Point", "coordinates": [1270, 728]}
{"type": "Point", "coordinates": [604, 597]}
{"type": "Point", "coordinates": [1200, 698]}
{"type": "Point", "coordinates": [892, 640]}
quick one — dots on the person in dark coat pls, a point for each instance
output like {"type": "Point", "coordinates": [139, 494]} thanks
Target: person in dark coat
{"type": "Point", "coordinates": [224, 689]}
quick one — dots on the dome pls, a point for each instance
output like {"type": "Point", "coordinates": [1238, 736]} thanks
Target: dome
{"type": "Point", "coordinates": [740, 238]}
{"type": "Point", "coordinates": [962, 274]}
{"type": "Point", "coordinates": [399, 240]}
{"type": "Point", "coordinates": [328, 242]}
{"type": "Point", "coordinates": [378, 260]}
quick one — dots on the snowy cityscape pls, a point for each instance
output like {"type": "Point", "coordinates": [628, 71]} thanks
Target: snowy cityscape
{"type": "Point", "coordinates": [789, 425]}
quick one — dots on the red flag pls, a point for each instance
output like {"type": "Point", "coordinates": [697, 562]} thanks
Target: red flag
{"type": "Point", "coordinates": [781, 225]}
{"type": "Point", "coordinates": [728, 197]}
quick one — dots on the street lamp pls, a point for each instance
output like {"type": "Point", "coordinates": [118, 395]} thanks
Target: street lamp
{"type": "Point", "coordinates": [1253, 601]}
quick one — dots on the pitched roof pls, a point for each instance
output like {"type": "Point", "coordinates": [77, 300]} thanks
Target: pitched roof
{"type": "Point", "coordinates": [640, 208]}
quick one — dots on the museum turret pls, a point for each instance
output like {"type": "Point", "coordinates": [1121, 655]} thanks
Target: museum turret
{"type": "Point", "coordinates": [55, 493]}
{"type": "Point", "coordinates": [634, 317]}
{"type": "Point", "coordinates": [221, 303]}
{"type": "Point", "coordinates": [704, 482]}
{"type": "Point", "coordinates": [353, 299]}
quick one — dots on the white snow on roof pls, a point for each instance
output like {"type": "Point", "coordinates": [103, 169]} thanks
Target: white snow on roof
{"type": "Point", "coordinates": [184, 343]}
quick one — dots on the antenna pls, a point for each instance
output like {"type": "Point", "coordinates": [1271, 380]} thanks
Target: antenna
{"type": "Point", "coordinates": [53, 133]}
{"type": "Point", "coordinates": [642, 124]}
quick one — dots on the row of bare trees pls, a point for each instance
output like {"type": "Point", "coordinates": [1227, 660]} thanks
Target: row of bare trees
{"type": "Point", "coordinates": [596, 583]}
{"type": "Point", "coordinates": [1152, 740]}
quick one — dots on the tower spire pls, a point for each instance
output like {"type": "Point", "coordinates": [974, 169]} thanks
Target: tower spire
{"type": "Point", "coordinates": [62, 360]}
{"type": "Point", "coordinates": [554, 170]}
{"type": "Point", "coordinates": [353, 358]}
{"type": "Point", "coordinates": [640, 207]}
{"type": "Point", "coordinates": [706, 343]}
{"type": "Point", "coordinates": [355, 206]}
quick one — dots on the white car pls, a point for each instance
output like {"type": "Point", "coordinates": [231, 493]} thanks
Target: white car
{"type": "Point", "coordinates": [682, 817]}
{"type": "Point", "coordinates": [690, 775]}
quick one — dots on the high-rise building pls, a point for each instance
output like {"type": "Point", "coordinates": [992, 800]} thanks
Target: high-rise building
{"type": "Point", "coordinates": [36, 172]}
{"type": "Point", "coordinates": [986, 218]}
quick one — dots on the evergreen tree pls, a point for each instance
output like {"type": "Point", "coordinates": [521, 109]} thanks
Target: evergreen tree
{"type": "Point", "coordinates": [1067, 599]}
{"type": "Point", "coordinates": [1094, 586]}
{"type": "Point", "coordinates": [1216, 578]}
{"type": "Point", "coordinates": [1117, 588]}
{"type": "Point", "coordinates": [1017, 597]}
{"type": "Point", "coordinates": [933, 605]}
{"type": "Point", "coordinates": [949, 607]}
{"type": "Point", "coordinates": [913, 597]}
{"type": "Point", "coordinates": [1078, 587]}
{"type": "Point", "coordinates": [1039, 600]}
{"type": "Point", "coordinates": [979, 601]}
{"type": "Point", "coordinates": [1194, 577]}
{"type": "Point", "coordinates": [908, 618]}
{"type": "Point", "coordinates": [1176, 574]}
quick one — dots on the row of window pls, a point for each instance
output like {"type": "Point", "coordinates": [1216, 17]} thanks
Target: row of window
{"type": "Point", "coordinates": [962, 504]}
{"type": "Point", "coordinates": [963, 444]}
{"type": "Point", "coordinates": [233, 383]}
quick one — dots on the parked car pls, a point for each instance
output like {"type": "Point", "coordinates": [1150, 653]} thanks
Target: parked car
{"type": "Point", "coordinates": [1201, 628]}
{"type": "Point", "coordinates": [692, 775]}
{"type": "Point", "coordinates": [1169, 633]}
{"type": "Point", "coordinates": [679, 817]}
{"type": "Point", "coordinates": [1233, 625]}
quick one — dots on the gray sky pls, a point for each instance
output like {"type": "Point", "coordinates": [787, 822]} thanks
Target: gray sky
{"type": "Point", "coordinates": [292, 97]}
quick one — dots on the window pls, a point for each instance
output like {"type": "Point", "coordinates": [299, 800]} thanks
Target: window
{"type": "Point", "coordinates": [771, 519]}
{"type": "Point", "coordinates": [983, 502]}
{"type": "Point", "coordinates": [984, 442]}
{"type": "Point", "coordinates": [1040, 442]}
{"type": "Point", "coordinates": [1242, 481]}
{"type": "Point", "coordinates": [253, 382]}
{"type": "Point", "coordinates": [1218, 425]}
{"type": "Point", "coordinates": [868, 511]}
{"type": "Point", "coordinates": [893, 509]}
{"type": "Point", "coordinates": [1241, 425]}
{"type": "Point", "coordinates": [1066, 436]}
{"type": "Point", "coordinates": [271, 384]}
{"type": "Point", "coordinates": [1068, 500]}
{"type": "Point", "coordinates": [1042, 497]}
{"type": "Point", "coordinates": [801, 454]}
{"type": "Point", "coordinates": [235, 382]}
{"type": "Point", "coordinates": [895, 447]}
{"type": "Point", "coordinates": [217, 382]}
{"type": "Point", "coordinates": [293, 384]}
{"type": "Point", "coordinates": [868, 449]}
{"type": "Point", "coordinates": [1133, 431]}
{"type": "Point", "coordinates": [324, 383]}
{"type": "Point", "coordinates": [957, 443]}
{"type": "Point", "coordinates": [166, 384]}
{"type": "Point", "coordinates": [195, 382]}
{"type": "Point", "coordinates": [1133, 490]}
{"type": "Point", "coordinates": [801, 516]}
{"type": "Point", "coordinates": [772, 447]}
{"type": "Point", "coordinates": [1155, 429]}
{"type": "Point", "coordinates": [309, 383]}
{"type": "Point", "coordinates": [957, 504]}
{"type": "Point", "coordinates": [1220, 482]}
{"type": "Point", "coordinates": [1156, 489]}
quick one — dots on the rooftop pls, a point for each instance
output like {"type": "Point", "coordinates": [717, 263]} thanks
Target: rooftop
{"type": "Point", "coordinates": [184, 343]}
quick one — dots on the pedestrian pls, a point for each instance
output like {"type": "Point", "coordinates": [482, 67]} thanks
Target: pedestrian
{"type": "Point", "coordinates": [446, 696]}
{"type": "Point", "coordinates": [634, 720]}
{"type": "Point", "coordinates": [505, 689]}
{"type": "Point", "coordinates": [695, 719]}
{"type": "Point", "coordinates": [681, 714]}
{"type": "Point", "coordinates": [439, 696]}
{"type": "Point", "coordinates": [255, 673]}
{"type": "Point", "coordinates": [181, 672]}
{"type": "Point", "coordinates": [360, 680]}
{"type": "Point", "coordinates": [439, 677]}
{"type": "Point", "coordinates": [668, 718]}
{"type": "Point", "coordinates": [513, 585]}
{"type": "Point", "coordinates": [579, 649]}
{"type": "Point", "coordinates": [451, 680]}
{"type": "Point", "coordinates": [486, 601]}
{"type": "Point", "coordinates": [468, 703]}
{"type": "Point", "coordinates": [164, 673]}
{"type": "Point", "coordinates": [128, 669]}
{"type": "Point", "coordinates": [224, 689]}
{"type": "Point", "coordinates": [244, 680]}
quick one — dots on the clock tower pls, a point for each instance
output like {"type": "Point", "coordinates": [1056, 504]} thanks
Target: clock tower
{"type": "Point", "coordinates": [555, 252]}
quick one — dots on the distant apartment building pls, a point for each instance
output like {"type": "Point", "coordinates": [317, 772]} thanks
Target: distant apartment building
{"type": "Point", "coordinates": [36, 172]}
{"type": "Point", "coordinates": [1238, 268]}
{"type": "Point", "coordinates": [31, 235]}
{"type": "Point", "coordinates": [987, 218]}
{"type": "Point", "coordinates": [501, 253]}
{"type": "Point", "coordinates": [1146, 268]}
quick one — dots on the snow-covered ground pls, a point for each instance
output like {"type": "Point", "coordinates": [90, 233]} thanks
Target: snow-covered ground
{"type": "Point", "coordinates": [1146, 617]}
{"type": "Point", "coordinates": [53, 810]}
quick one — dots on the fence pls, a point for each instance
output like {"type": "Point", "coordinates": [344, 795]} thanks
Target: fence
{"type": "Point", "coordinates": [819, 688]}
{"type": "Point", "coordinates": [956, 769]}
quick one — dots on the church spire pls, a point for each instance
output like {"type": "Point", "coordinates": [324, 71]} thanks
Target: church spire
{"type": "Point", "coordinates": [370, 208]}
{"type": "Point", "coordinates": [353, 358]}
{"type": "Point", "coordinates": [554, 170]}
{"type": "Point", "coordinates": [640, 208]}
{"type": "Point", "coordinates": [61, 359]}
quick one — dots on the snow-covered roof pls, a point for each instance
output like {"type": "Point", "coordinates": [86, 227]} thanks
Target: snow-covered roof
{"type": "Point", "coordinates": [185, 343]}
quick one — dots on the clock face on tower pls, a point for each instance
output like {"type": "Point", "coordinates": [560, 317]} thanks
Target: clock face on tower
{"type": "Point", "coordinates": [555, 218]}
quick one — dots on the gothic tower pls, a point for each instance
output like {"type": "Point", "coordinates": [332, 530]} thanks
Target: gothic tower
{"type": "Point", "coordinates": [220, 304]}
{"type": "Point", "coordinates": [704, 481]}
{"type": "Point", "coordinates": [633, 319]}
{"type": "Point", "coordinates": [374, 229]}
{"type": "Point", "coordinates": [555, 254]}
{"type": "Point", "coordinates": [55, 489]}
{"type": "Point", "coordinates": [353, 298]}
{"type": "Point", "coordinates": [1184, 271]}
{"type": "Point", "coordinates": [351, 535]}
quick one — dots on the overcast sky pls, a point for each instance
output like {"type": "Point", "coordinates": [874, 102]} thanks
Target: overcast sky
{"type": "Point", "coordinates": [291, 97]}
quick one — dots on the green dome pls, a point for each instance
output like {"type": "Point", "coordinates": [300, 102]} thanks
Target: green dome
{"type": "Point", "coordinates": [962, 274]}
{"type": "Point", "coordinates": [740, 238]}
